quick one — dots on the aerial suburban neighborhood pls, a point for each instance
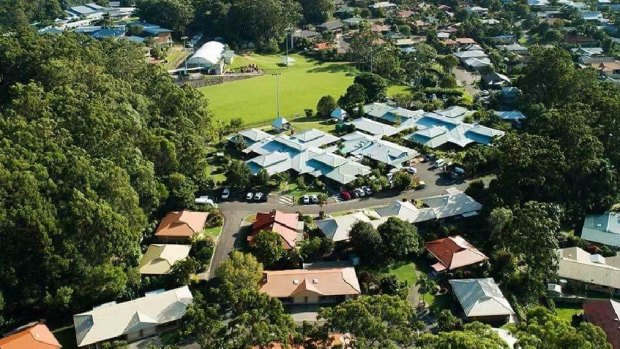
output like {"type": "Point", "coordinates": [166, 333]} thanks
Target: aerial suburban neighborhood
{"type": "Point", "coordinates": [309, 174]}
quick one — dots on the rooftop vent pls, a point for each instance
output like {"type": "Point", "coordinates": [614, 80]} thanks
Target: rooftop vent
{"type": "Point", "coordinates": [296, 282]}
{"type": "Point", "coordinates": [315, 281]}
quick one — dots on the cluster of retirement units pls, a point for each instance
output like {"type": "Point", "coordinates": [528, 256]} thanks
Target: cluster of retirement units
{"type": "Point", "coordinates": [339, 159]}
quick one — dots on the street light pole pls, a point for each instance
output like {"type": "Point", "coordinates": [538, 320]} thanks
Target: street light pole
{"type": "Point", "coordinates": [184, 58]}
{"type": "Point", "coordinates": [277, 93]}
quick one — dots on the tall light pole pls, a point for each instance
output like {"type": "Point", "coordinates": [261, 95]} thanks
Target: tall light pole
{"type": "Point", "coordinates": [184, 58]}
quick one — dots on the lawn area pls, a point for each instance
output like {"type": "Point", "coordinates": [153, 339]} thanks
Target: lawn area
{"type": "Point", "coordinates": [566, 311]}
{"type": "Point", "coordinates": [213, 232]}
{"type": "Point", "coordinates": [406, 272]}
{"type": "Point", "coordinates": [301, 86]}
{"type": "Point", "coordinates": [292, 189]}
{"type": "Point", "coordinates": [174, 57]}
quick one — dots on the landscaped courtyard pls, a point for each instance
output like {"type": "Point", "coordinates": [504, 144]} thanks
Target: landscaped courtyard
{"type": "Point", "coordinates": [301, 86]}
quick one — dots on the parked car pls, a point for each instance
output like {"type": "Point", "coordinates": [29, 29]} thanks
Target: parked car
{"type": "Point", "coordinates": [439, 162]}
{"type": "Point", "coordinates": [360, 192]}
{"type": "Point", "coordinates": [367, 190]}
{"type": "Point", "coordinates": [205, 200]}
{"type": "Point", "coordinates": [259, 196]}
{"type": "Point", "coordinates": [345, 195]}
{"type": "Point", "coordinates": [305, 199]}
{"type": "Point", "coordinates": [249, 196]}
{"type": "Point", "coordinates": [314, 199]}
{"type": "Point", "coordinates": [411, 170]}
{"type": "Point", "coordinates": [421, 185]}
{"type": "Point", "coordinates": [430, 157]}
{"type": "Point", "coordinates": [225, 193]}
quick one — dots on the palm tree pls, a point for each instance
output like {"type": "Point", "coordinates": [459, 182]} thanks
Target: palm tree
{"type": "Point", "coordinates": [425, 285]}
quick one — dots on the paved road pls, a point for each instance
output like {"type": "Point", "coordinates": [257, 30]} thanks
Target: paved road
{"type": "Point", "coordinates": [236, 211]}
{"type": "Point", "coordinates": [467, 80]}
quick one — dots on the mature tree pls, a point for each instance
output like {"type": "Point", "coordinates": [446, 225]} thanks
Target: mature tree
{"type": "Point", "coordinates": [426, 285]}
{"type": "Point", "coordinates": [446, 321]}
{"type": "Point", "coordinates": [238, 175]}
{"type": "Point", "coordinates": [182, 271]}
{"type": "Point", "coordinates": [173, 14]}
{"type": "Point", "coordinates": [541, 328]}
{"type": "Point", "coordinates": [402, 180]}
{"type": "Point", "coordinates": [374, 86]}
{"type": "Point", "coordinates": [261, 178]}
{"type": "Point", "coordinates": [267, 247]}
{"type": "Point", "coordinates": [238, 274]}
{"type": "Point", "coordinates": [84, 140]}
{"type": "Point", "coordinates": [326, 105]}
{"type": "Point", "coordinates": [203, 322]}
{"type": "Point", "coordinates": [353, 99]}
{"type": "Point", "coordinates": [21, 13]}
{"type": "Point", "coordinates": [376, 321]}
{"type": "Point", "coordinates": [314, 248]}
{"type": "Point", "coordinates": [400, 239]}
{"type": "Point", "coordinates": [367, 242]}
{"type": "Point", "coordinates": [474, 335]}
{"type": "Point", "coordinates": [317, 11]}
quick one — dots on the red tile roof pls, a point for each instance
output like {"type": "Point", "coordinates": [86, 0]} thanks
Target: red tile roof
{"type": "Point", "coordinates": [284, 224]}
{"type": "Point", "coordinates": [454, 252]}
{"type": "Point", "coordinates": [604, 314]}
{"type": "Point", "coordinates": [37, 336]}
{"type": "Point", "coordinates": [181, 224]}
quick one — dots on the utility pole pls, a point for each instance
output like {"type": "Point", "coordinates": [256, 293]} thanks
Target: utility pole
{"type": "Point", "coordinates": [277, 94]}
{"type": "Point", "coordinates": [371, 49]}
{"type": "Point", "coordinates": [185, 58]}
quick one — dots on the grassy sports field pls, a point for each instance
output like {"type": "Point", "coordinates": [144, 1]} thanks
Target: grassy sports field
{"type": "Point", "coordinates": [301, 86]}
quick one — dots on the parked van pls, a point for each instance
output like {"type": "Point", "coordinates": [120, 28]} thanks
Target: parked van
{"type": "Point", "coordinates": [439, 163]}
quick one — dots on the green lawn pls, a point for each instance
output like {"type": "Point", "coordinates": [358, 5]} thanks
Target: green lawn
{"type": "Point", "coordinates": [301, 86]}
{"type": "Point", "coordinates": [566, 311]}
{"type": "Point", "coordinates": [406, 272]}
{"type": "Point", "coordinates": [174, 57]}
{"type": "Point", "coordinates": [213, 232]}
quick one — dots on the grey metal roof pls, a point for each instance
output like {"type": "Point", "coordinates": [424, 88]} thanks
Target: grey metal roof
{"type": "Point", "coordinates": [481, 297]}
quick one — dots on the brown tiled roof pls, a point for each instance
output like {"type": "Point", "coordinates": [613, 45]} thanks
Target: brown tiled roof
{"type": "Point", "coordinates": [406, 14]}
{"type": "Point", "coordinates": [453, 253]}
{"type": "Point", "coordinates": [324, 282]}
{"type": "Point", "coordinates": [182, 224]}
{"type": "Point", "coordinates": [284, 224]}
{"type": "Point", "coordinates": [604, 313]}
{"type": "Point", "coordinates": [37, 336]}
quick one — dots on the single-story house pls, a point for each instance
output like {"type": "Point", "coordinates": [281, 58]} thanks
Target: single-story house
{"type": "Point", "coordinates": [482, 300]}
{"type": "Point", "coordinates": [89, 11]}
{"type": "Point", "coordinates": [159, 258]}
{"type": "Point", "coordinates": [608, 69]}
{"type": "Point", "coordinates": [454, 203]}
{"type": "Point", "coordinates": [333, 26]}
{"type": "Point", "coordinates": [510, 115]}
{"type": "Point", "coordinates": [156, 312]}
{"type": "Point", "coordinates": [286, 225]}
{"type": "Point", "coordinates": [478, 64]}
{"type": "Point", "coordinates": [34, 335]}
{"type": "Point", "coordinates": [454, 252]}
{"type": "Point", "coordinates": [602, 228]}
{"type": "Point", "coordinates": [406, 211]}
{"type": "Point", "coordinates": [495, 80]}
{"type": "Point", "coordinates": [338, 114]}
{"type": "Point", "coordinates": [379, 150]}
{"type": "Point", "coordinates": [181, 226]}
{"type": "Point", "coordinates": [604, 314]}
{"type": "Point", "coordinates": [591, 270]}
{"type": "Point", "coordinates": [248, 137]}
{"type": "Point", "coordinates": [311, 286]}
{"type": "Point", "coordinates": [373, 128]}
{"type": "Point", "coordinates": [514, 48]}
{"type": "Point", "coordinates": [392, 115]}
{"type": "Point", "coordinates": [386, 5]}
{"type": "Point", "coordinates": [338, 228]}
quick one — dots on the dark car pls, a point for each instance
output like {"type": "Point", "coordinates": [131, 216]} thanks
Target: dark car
{"type": "Point", "coordinates": [345, 195]}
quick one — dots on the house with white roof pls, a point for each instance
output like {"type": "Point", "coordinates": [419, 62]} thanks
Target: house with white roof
{"type": "Point", "coordinates": [454, 203]}
{"type": "Point", "coordinates": [482, 300]}
{"type": "Point", "coordinates": [338, 228]}
{"type": "Point", "coordinates": [246, 138]}
{"type": "Point", "coordinates": [590, 270]}
{"type": "Point", "coordinates": [389, 114]}
{"type": "Point", "coordinates": [602, 228]}
{"type": "Point", "coordinates": [373, 128]}
{"type": "Point", "coordinates": [154, 313]}
{"type": "Point", "coordinates": [378, 150]}
{"type": "Point", "coordinates": [406, 211]}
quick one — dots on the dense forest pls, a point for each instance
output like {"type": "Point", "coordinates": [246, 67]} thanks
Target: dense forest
{"type": "Point", "coordinates": [93, 141]}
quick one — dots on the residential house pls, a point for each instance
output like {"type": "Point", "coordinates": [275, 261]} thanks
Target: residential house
{"type": "Point", "coordinates": [286, 225]}
{"type": "Point", "coordinates": [306, 34]}
{"type": "Point", "coordinates": [311, 286]}
{"type": "Point", "coordinates": [89, 11]}
{"type": "Point", "coordinates": [333, 26]}
{"type": "Point", "coordinates": [404, 210]}
{"type": "Point", "coordinates": [383, 5]}
{"type": "Point", "coordinates": [338, 114]}
{"type": "Point", "coordinates": [338, 228]}
{"type": "Point", "coordinates": [608, 69]}
{"type": "Point", "coordinates": [495, 80]}
{"type": "Point", "coordinates": [482, 300]}
{"type": "Point", "coordinates": [510, 115]}
{"type": "Point", "coordinates": [454, 252]}
{"type": "Point", "coordinates": [587, 51]}
{"type": "Point", "coordinates": [156, 312]}
{"type": "Point", "coordinates": [160, 36]}
{"type": "Point", "coordinates": [602, 228]}
{"type": "Point", "coordinates": [372, 127]}
{"type": "Point", "coordinates": [159, 258]}
{"type": "Point", "coordinates": [389, 153]}
{"type": "Point", "coordinates": [249, 137]}
{"type": "Point", "coordinates": [280, 124]}
{"type": "Point", "coordinates": [581, 40]}
{"type": "Point", "coordinates": [592, 271]}
{"type": "Point", "coordinates": [604, 314]}
{"type": "Point", "coordinates": [34, 335]}
{"type": "Point", "coordinates": [181, 226]}
{"type": "Point", "coordinates": [353, 22]}
{"type": "Point", "coordinates": [514, 48]}
{"type": "Point", "coordinates": [391, 115]}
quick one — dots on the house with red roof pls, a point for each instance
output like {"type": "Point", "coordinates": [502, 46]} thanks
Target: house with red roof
{"type": "Point", "coordinates": [181, 226]}
{"type": "Point", "coordinates": [35, 335]}
{"type": "Point", "coordinates": [286, 225]}
{"type": "Point", "coordinates": [605, 314]}
{"type": "Point", "coordinates": [454, 252]}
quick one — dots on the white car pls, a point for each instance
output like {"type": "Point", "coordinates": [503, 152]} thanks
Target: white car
{"type": "Point", "coordinates": [225, 194]}
{"type": "Point", "coordinates": [258, 196]}
{"type": "Point", "coordinates": [249, 196]}
{"type": "Point", "coordinates": [205, 200]}
{"type": "Point", "coordinates": [305, 199]}
{"type": "Point", "coordinates": [314, 199]}
{"type": "Point", "coordinates": [360, 192]}
{"type": "Point", "coordinates": [367, 190]}
{"type": "Point", "coordinates": [411, 170]}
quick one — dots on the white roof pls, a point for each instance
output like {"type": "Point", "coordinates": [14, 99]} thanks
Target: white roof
{"type": "Point", "coordinates": [338, 228]}
{"type": "Point", "coordinates": [480, 297]}
{"type": "Point", "coordinates": [209, 53]}
{"type": "Point", "coordinates": [112, 320]}
{"type": "Point", "coordinates": [406, 211]}
{"type": "Point", "coordinates": [602, 228]}
{"type": "Point", "coordinates": [372, 127]}
{"type": "Point", "coordinates": [577, 264]}
{"type": "Point", "coordinates": [510, 115]}
{"type": "Point", "coordinates": [255, 134]}
{"type": "Point", "coordinates": [470, 54]}
{"type": "Point", "coordinates": [454, 203]}
{"type": "Point", "coordinates": [159, 258]}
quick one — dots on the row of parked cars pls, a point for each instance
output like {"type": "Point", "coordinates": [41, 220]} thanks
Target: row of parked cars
{"type": "Point", "coordinates": [257, 197]}
{"type": "Point", "coordinates": [309, 199]}
{"type": "Point", "coordinates": [356, 193]}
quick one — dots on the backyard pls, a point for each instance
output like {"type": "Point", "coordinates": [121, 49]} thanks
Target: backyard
{"type": "Point", "coordinates": [301, 86]}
